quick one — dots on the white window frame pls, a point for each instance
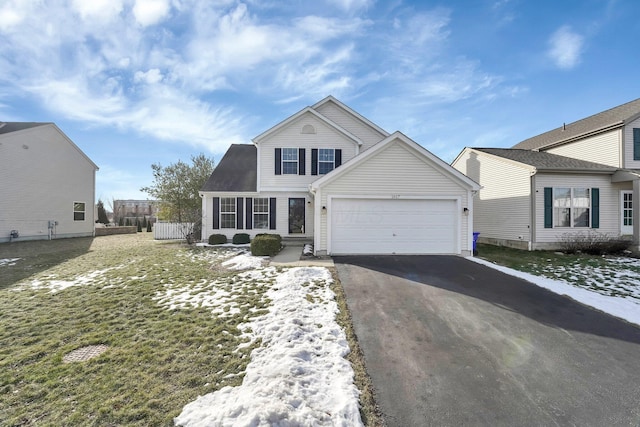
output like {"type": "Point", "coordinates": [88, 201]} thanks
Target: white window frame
{"type": "Point", "coordinates": [573, 207]}
{"type": "Point", "coordinates": [77, 211]}
{"type": "Point", "coordinates": [226, 213]}
{"type": "Point", "coordinates": [290, 157]}
{"type": "Point", "coordinates": [325, 162]}
{"type": "Point", "coordinates": [626, 205]}
{"type": "Point", "coordinates": [260, 209]}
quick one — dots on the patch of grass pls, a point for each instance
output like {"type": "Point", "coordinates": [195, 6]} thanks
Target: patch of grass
{"type": "Point", "coordinates": [158, 359]}
{"type": "Point", "coordinates": [369, 410]}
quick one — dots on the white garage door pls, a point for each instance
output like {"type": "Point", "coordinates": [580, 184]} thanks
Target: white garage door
{"type": "Point", "coordinates": [393, 226]}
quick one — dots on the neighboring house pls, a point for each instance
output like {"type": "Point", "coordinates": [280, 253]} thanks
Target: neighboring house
{"type": "Point", "coordinates": [133, 210]}
{"type": "Point", "coordinates": [329, 175]}
{"type": "Point", "coordinates": [581, 176]}
{"type": "Point", "coordinates": [47, 184]}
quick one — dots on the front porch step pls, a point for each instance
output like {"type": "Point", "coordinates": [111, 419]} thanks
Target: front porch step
{"type": "Point", "coordinates": [296, 241]}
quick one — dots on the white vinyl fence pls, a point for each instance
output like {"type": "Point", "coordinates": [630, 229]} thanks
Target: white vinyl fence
{"type": "Point", "coordinates": [171, 230]}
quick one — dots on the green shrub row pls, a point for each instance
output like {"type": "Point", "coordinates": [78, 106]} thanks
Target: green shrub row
{"type": "Point", "coordinates": [261, 245]}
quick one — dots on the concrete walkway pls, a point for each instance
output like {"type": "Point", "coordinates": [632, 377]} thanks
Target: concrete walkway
{"type": "Point", "coordinates": [291, 256]}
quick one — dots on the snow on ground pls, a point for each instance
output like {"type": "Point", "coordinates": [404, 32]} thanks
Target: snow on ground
{"type": "Point", "coordinates": [244, 261]}
{"type": "Point", "coordinates": [299, 375]}
{"type": "Point", "coordinates": [625, 306]}
{"type": "Point", "coordinates": [8, 261]}
{"type": "Point", "coordinates": [91, 278]}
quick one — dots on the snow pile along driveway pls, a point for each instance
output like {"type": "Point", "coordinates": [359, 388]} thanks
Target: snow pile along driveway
{"type": "Point", "coordinates": [614, 289]}
{"type": "Point", "coordinates": [299, 375]}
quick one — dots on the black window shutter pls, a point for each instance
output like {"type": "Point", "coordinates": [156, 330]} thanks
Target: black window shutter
{"type": "Point", "coordinates": [595, 208]}
{"type": "Point", "coordinates": [216, 213]}
{"type": "Point", "coordinates": [278, 164]}
{"type": "Point", "coordinates": [272, 213]}
{"type": "Point", "coordinates": [338, 158]}
{"type": "Point", "coordinates": [249, 214]}
{"type": "Point", "coordinates": [636, 143]}
{"type": "Point", "coordinates": [314, 161]}
{"type": "Point", "coordinates": [548, 207]}
{"type": "Point", "coordinates": [239, 216]}
{"type": "Point", "coordinates": [301, 159]}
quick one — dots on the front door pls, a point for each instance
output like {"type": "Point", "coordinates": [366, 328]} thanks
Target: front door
{"type": "Point", "coordinates": [626, 211]}
{"type": "Point", "coordinates": [296, 216]}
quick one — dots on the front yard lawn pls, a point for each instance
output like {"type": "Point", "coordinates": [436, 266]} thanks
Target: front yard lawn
{"type": "Point", "coordinates": [177, 322]}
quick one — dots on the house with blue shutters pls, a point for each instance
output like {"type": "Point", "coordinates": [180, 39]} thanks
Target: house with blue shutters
{"type": "Point", "coordinates": [329, 175]}
{"type": "Point", "coordinates": [580, 177]}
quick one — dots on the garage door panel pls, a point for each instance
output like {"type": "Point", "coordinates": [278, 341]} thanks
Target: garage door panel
{"type": "Point", "coordinates": [391, 226]}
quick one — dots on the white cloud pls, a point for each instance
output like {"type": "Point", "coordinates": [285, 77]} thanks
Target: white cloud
{"type": "Point", "coordinates": [152, 76]}
{"type": "Point", "coordinates": [566, 46]}
{"type": "Point", "coordinates": [150, 12]}
{"type": "Point", "coordinates": [101, 10]}
{"type": "Point", "coordinates": [352, 5]}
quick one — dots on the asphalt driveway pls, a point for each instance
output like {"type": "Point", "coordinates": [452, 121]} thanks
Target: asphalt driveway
{"type": "Point", "coordinates": [449, 342]}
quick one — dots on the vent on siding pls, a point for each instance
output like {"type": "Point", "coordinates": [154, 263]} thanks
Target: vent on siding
{"type": "Point", "coordinates": [308, 129]}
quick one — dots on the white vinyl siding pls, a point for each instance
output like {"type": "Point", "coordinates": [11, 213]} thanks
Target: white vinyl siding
{"type": "Point", "coordinates": [351, 124]}
{"type": "Point", "coordinates": [393, 172]}
{"type": "Point", "coordinates": [47, 173]}
{"type": "Point", "coordinates": [282, 213]}
{"type": "Point", "coordinates": [629, 163]}
{"type": "Point", "coordinates": [605, 148]}
{"type": "Point", "coordinates": [609, 203]}
{"type": "Point", "coordinates": [292, 136]}
{"type": "Point", "coordinates": [502, 208]}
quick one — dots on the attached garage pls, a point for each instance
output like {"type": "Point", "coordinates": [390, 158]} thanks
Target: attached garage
{"type": "Point", "coordinates": [393, 226]}
{"type": "Point", "coordinates": [396, 198]}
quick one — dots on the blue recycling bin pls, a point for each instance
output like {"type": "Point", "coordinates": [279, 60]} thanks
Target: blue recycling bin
{"type": "Point", "coordinates": [475, 242]}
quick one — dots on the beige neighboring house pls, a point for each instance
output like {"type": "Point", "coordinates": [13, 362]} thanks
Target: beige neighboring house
{"type": "Point", "coordinates": [578, 177]}
{"type": "Point", "coordinates": [329, 175]}
{"type": "Point", "coordinates": [47, 184]}
{"type": "Point", "coordinates": [135, 209]}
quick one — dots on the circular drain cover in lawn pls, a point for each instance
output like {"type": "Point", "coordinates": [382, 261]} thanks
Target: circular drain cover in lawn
{"type": "Point", "coordinates": [84, 353]}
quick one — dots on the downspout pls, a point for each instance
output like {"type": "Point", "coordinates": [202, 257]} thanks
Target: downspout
{"type": "Point", "coordinates": [532, 212]}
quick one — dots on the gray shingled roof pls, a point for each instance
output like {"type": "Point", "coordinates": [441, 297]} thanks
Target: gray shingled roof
{"type": "Point", "coordinates": [616, 115]}
{"type": "Point", "coordinates": [237, 171]}
{"type": "Point", "coordinates": [8, 127]}
{"type": "Point", "coordinates": [546, 161]}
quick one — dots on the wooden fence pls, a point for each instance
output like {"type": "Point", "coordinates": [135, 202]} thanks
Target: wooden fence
{"type": "Point", "coordinates": [171, 230]}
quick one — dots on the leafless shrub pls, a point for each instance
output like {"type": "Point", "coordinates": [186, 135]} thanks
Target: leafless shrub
{"type": "Point", "coordinates": [592, 243]}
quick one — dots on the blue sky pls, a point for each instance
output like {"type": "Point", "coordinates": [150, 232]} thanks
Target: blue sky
{"type": "Point", "coordinates": [136, 82]}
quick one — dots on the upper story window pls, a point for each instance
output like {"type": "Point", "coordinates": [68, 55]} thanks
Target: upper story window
{"type": "Point", "coordinates": [571, 207]}
{"type": "Point", "coordinates": [326, 160]}
{"type": "Point", "coordinates": [78, 211]}
{"type": "Point", "coordinates": [227, 212]}
{"type": "Point", "coordinates": [289, 161]}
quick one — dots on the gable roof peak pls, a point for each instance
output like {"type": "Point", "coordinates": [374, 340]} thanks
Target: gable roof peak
{"type": "Point", "coordinates": [605, 120]}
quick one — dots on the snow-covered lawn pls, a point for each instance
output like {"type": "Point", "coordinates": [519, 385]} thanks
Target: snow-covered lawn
{"type": "Point", "coordinates": [299, 374]}
{"type": "Point", "coordinates": [611, 285]}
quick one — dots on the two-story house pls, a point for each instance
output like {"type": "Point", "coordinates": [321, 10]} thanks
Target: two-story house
{"type": "Point", "coordinates": [330, 175]}
{"type": "Point", "coordinates": [578, 177]}
{"type": "Point", "coordinates": [47, 184]}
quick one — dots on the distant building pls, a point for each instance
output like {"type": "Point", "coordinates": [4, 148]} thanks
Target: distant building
{"type": "Point", "coordinates": [132, 209]}
{"type": "Point", "coordinates": [47, 184]}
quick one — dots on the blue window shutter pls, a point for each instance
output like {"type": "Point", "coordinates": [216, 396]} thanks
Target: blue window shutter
{"type": "Point", "coordinates": [216, 213]}
{"type": "Point", "coordinates": [278, 156]}
{"type": "Point", "coordinates": [239, 216]}
{"type": "Point", "coordinates": [301, 159]}
{"type": "Point", "coordinates": [636, 143]}
{"type": "Point", "coordinates": [595, 208]}
{"type": "Point", "coordinates": [314, 161]}
{"type": "Point", "coordinates": [249, 214]}
{"type": "Point", "coordinates": [338, 158]}
{"type": "Point", "coordinates": [272, 213]}
{"type": "Point", "coordinates": [548, 207]}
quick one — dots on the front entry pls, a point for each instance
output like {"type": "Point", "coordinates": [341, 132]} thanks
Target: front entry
{"type": "Point", "coordinates": [626, 210]}
{"type": "Point", "coordinates": [296, 216]}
